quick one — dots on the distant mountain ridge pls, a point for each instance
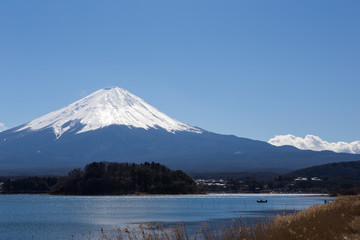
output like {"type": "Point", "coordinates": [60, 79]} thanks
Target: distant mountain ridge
{"type": "Point", "coordinates": [115, 125]}
{"type": "Point", "coordinates": [347, 170]}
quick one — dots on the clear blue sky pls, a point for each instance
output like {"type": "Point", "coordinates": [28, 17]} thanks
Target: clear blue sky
{"type": "Point", "coordinates": [249, 68]}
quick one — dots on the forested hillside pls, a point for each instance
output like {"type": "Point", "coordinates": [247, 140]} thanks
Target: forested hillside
{"type": "Point", "coordinates": [124, 178]}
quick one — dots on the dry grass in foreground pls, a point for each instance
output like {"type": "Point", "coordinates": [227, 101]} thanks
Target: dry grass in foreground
{"type": "Point", "coordinates": [339, 219]}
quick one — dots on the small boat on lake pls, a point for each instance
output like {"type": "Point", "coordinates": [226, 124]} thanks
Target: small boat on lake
{"type": "Point", "coordinates": [261, 201]}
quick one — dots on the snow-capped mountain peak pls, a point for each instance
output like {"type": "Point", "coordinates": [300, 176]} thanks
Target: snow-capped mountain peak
{"type": "Point", "coordinates": [105, 107]}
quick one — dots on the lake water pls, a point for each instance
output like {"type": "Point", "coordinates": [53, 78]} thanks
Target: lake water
{"type": "Point", "coordinates": [58, 217]}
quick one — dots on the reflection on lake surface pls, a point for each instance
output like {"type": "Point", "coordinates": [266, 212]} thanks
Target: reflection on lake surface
{"type": "Point", "coordinates": [58, 217]}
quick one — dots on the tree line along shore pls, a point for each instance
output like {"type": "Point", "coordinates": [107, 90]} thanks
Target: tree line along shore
{"type": "Point", "coordinates": [109, 178]}
{"type": "Point", "coordinates": [104, 178]}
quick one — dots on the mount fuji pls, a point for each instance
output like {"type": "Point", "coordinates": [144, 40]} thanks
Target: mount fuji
{"type": "Point", "coordinates": [115, 125]}
{"type": "Point", "coordinates": [106, 107]}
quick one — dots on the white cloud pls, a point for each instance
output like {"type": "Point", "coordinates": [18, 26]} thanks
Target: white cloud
{"type": "Point", "coordinates": [2, 127]}
{"type": "Point", "coordinates": [311, 142]}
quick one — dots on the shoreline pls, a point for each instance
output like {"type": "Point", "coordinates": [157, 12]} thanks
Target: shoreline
{"type": "Point", "coordinates": [339, 219]}
{"type": "Point", "coordinates": [194, 194]}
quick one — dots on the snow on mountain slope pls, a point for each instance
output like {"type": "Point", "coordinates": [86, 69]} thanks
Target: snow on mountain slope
{"type": "Point", "coordinates": [311, 142]}
{"type": "Point", "coordinates": [107, 107]}
{"type": "Point", "coordinates": [2, 127]}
